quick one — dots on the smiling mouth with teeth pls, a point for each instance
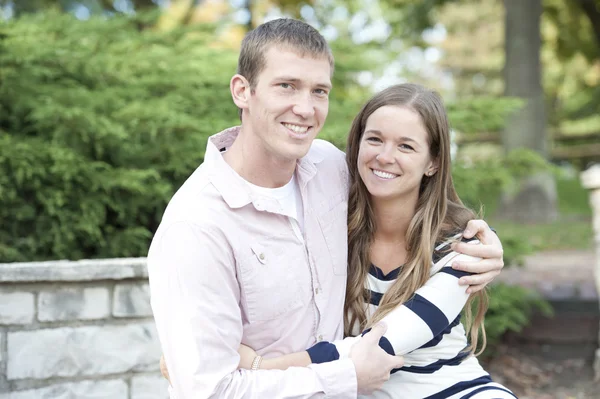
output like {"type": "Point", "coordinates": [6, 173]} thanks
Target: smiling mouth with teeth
{"type": "Point", "coordinates": [296, 128]}
{"type": "Point", "coordinates": [383, 175]}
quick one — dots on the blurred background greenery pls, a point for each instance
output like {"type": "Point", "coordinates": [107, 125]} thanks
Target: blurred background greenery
{"type": "Point", "coordinates": [105, 108]}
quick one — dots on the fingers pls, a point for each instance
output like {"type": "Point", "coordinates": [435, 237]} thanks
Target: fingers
{"type": "Point", "coordinates": [483, 232]}
{"type": "Point", "coordinates": [493, 251]}
{"type": "Point", "coordinates": [480, 266]}
{"type": "Point", "coordinates": [475, 288]}
{"type": "Point", "coordinates": [475, 227]}
{"type": "Point", "coordinates": [163, 368]}
{"type": "Point", "coordinates": [376, 333]}
{"type": "Point", "coordinates": [398, 362]}
{"type": "Point", "coordinates": [478, 280]}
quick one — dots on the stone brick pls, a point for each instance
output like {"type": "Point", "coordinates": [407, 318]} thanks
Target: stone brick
{"type": "Point", "coordinates": [81, 351]}
{"type": "Point", "coordinates": [16, 307]}
{"type": "Point", "coordinates": [80, 270]}
{"type": "Point", "coordinates": [113, 389]}
{"type": "Point", "coordinates": [74, 303]}
{"type": "Point", "coordinates": [149, 387]}
{"type": "Point", "coordinates": [131, 300]}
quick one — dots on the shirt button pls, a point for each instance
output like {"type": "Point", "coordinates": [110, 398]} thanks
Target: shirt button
{"type": "Point", "coordinates": [261, 256]}
{"type": "Point", "coordinates": [320, 338]}
{"type": "Point", "coordinates": [317, 290]}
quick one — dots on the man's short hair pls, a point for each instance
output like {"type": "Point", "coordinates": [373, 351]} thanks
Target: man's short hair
{"type": "Point", "coordinates": [287, 33]}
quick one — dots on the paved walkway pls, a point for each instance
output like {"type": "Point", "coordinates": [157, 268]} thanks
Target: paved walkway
{"type": "Point", "coordinates": [567, 274]}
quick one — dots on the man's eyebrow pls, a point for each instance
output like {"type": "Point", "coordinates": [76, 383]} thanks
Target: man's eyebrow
{"type": "Point", "coordinates": [292, 79]}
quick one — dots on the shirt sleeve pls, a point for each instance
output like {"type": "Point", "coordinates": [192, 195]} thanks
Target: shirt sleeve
{"type": "Point", "coordinates": [195, 300]}
{"type": "Point", "coordinates": [435, 307]}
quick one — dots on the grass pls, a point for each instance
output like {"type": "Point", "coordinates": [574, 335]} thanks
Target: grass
{"type": "Point", "coordinates": [560, 235]}
{"type": "Point", "coordinates": [573, 230]}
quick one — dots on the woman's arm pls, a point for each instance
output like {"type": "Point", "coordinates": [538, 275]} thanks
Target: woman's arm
{"type": "Point", "coordinates": [247, 356]}
{"type": "Point", "coordinates": [434, 308]}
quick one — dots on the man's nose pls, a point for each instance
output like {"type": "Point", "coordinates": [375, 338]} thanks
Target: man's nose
{"type": "Point", "coordinates": [304, 106]}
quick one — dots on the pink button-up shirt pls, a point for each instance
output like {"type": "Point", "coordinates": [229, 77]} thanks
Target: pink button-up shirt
{"type": "Point", "coordinates": [227, 268]}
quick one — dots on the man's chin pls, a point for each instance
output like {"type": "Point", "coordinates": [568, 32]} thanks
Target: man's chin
{"type": "Point", "coordinates": [300, 152]}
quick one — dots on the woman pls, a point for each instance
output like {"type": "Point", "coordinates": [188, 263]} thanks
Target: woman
{"type": "Point", "coordinates": [403, 214]}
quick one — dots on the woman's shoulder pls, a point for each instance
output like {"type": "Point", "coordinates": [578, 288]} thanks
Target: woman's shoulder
{"type": "Point", "coordinates": [443, 253]}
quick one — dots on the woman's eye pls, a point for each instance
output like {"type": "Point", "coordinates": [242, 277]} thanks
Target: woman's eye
{"type": "Point", "coordinates": [406, 147]}
{"type": "Point", "coordinates": [374, 139]}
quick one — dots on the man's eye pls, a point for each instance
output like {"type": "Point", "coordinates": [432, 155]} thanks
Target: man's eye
{"type": "Point", "coordinates": [285, 85]}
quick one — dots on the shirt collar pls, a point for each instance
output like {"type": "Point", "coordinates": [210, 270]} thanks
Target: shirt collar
{"type": "Point", "coordinates": [235, 192]}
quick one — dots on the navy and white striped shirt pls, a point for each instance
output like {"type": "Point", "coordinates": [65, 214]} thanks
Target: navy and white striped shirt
{"type": "Point", "coordinates": [428, 332]}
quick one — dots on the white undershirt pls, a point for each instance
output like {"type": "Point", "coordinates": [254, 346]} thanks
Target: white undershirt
{"type": "Point", "coordinates": [289, 198]}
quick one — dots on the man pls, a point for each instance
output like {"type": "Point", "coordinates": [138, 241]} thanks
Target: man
{"type": "Point", "coordinates": [253, 247]}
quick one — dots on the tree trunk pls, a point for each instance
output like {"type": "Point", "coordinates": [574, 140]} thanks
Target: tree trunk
{"type": "Point", "coordinates": [536, 199]}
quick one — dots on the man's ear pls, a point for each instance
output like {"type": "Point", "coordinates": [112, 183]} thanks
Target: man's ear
{"type": "Point", "coordinates": [240, 91]}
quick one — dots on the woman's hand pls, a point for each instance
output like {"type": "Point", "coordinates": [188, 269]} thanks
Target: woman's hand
{"type": "Point", "coordinates": [247, 356]}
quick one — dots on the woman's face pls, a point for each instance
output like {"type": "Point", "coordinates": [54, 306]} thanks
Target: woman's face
{"type": "Point", "coordinates": [394, 155]}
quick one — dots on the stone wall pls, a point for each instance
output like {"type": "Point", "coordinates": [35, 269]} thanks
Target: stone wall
{"type": "Point", "coordinates": [78, 330]}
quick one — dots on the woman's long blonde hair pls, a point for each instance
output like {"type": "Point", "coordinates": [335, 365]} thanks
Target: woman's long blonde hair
{"type": "Point", "coordinates": [439, 215]}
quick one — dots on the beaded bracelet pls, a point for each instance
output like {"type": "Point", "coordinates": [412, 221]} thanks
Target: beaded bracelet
{"type": "Point", "coordinates": [256, 363]}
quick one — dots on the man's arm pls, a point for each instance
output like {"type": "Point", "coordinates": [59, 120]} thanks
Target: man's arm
{"type": "Point", "coordinates": [489, 251]}
{"type": "Point", "coordinates": [195, 300]}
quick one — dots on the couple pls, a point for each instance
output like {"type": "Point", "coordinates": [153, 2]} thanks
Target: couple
{"type": "Point", "coordinates": [278, 243]}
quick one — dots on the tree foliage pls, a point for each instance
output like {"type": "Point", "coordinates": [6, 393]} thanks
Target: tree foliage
{"type": "Point", "coordinates": [100, 124]}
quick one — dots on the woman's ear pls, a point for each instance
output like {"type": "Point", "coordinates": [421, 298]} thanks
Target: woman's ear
{"type": "Point", "coordinates": [240, 91]}
{"type": "Point", "coordinates": [432, 169]}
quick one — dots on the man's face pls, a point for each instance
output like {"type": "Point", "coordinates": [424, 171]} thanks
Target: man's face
{"type": "Point", "coordinates": [289, 103]}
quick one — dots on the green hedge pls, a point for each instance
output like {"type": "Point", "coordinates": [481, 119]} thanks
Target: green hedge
{"type": "Point", "coordinates": [99, 124]}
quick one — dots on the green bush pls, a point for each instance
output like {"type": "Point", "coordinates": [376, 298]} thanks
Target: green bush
{"type": "Point", "coordinates": [100, 123]}
{"type": "Point", "coordinates": [510, 309]}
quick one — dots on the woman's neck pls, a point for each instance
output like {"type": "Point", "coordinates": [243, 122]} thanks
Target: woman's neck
{"type": "Point", "coordinates": [392, 219]}
{"type": "Point", "coordinates": [389, 249]}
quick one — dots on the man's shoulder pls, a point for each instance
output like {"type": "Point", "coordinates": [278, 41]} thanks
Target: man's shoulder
{"type": "Point", "coordinates": [324, 149]}
{"type": "Point", "coordinates": [325, 155]}
{"type": "Point", "coordinates": [194, 201]}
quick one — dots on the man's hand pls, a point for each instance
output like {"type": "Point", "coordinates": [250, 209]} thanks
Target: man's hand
{"type": "Point", "coordinates": [373, 365]}
{"type": "Point", "coordinates": [490, 251]}
{"type": "Point", "coordinates": [163, 368]}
